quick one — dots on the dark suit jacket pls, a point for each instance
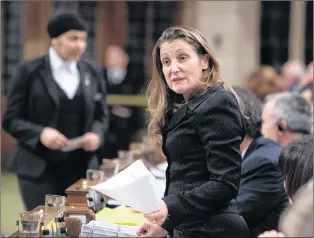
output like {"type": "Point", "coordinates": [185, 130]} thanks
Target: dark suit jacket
{"type": "Point", "coordinates": [262, 197]}
{"type": "Point", "coordinates": [202, 144]}
{"type": "Point", "coordinates": [32, 103]}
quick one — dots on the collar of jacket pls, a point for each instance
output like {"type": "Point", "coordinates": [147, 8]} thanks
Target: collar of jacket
{"type": "Point", "coordinates": [196, 100]}
{"type": "Point", "coordinates": [257, 143]}
{"type": "Point", "coordinates": [173, 118]}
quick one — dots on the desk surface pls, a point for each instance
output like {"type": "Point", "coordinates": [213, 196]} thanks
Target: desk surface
{"type": "Point", "coordinates": [127, 100]}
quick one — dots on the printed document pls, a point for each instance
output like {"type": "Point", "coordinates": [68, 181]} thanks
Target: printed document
{"type": "Point", "coordinates": [135, 186]}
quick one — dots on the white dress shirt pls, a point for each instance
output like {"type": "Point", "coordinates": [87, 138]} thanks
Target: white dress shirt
{"type": "Point", "coordinates": [65, 74]}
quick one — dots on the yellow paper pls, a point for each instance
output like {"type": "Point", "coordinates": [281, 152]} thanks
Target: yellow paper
{"type": "Point", "coordinates": [120, 216]}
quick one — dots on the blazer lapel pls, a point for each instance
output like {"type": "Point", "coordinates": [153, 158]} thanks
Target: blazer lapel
{"type": "Point", "coordinates": [86, 81]}
{"type": "Point", "coordinates": [48, 80]}
{"type": "Point", "coordinates": [176, 118]}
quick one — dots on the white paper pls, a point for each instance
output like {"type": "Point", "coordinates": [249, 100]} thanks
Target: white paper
{"type": "Point", "coordinates": [73, 144]}
{"type": "Point", "coordinates": [98, 229]}
{"type": "Point", "coordinates": [135, 186]}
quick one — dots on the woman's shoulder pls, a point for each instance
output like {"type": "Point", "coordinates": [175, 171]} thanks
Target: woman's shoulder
{"type": "Point", "coordinates": [215, 98]}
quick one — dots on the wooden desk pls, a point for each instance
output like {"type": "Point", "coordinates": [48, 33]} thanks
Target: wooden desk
{"type": "Point", "coordinates": [77, 193]}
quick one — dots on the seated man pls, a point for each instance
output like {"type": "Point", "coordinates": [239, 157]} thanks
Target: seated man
{"type": "Point", "coordinates": [296, 166]}
{"type": "Point", "coordinates": [286, 117]}
{"type": "Point", "coordinates": [261, 197]}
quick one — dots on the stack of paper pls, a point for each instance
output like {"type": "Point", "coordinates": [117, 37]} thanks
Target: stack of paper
{"type": "Point", "coordinates": [135, 186]}
{"type": "Point", "coordinates": [98, 229]}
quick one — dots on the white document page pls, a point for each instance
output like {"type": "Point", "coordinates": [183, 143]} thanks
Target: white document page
{"type": "Point", "coordinates": [73, 144]}
{"type": "Point", "coordinates": [135, 186]}
{"type": "Point", "coordinates": [98, 229]}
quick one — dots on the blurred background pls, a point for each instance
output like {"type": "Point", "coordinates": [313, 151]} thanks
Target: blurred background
{"type": "Point", "coordinates": [268, 40]}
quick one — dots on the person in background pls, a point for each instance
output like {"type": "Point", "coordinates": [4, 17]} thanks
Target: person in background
{"type": "Point", "coordinates": [307, 93]}
{"type": "Point", "coordinates": [264, 81]}
{"type": "Point", "coordinates": [309, 72]}
{"type": "Point", "coordinates": [286, 117]}
{"type": "Point", "coordinates": [308, 76]}
{"type": "Point", "coordinates": [262, 197]}
{"type": "Point", "coordinates": [293, 72]}
{"type": "Point", "coordinates": [298, 221]}
{"type": "Point", "coordinates": [200, 127]}
{"type": "Point", "coordinates": [116, 62]}
{"type": "Point", "coordinates": [52, 99]}
{"type": "Point", "coordinates": [296, 164]}
{"type": "Point", "coordinates": [121, 79]}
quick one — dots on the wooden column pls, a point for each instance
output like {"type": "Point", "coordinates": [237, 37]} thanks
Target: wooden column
{"type": "Point", "coordinates": [111, 26]}
{"type": "Point", "coordinates": [34, 30]}
{"type": "Point", "coordinates": [149, 43]}
{"type": "Point", "coordinates": [189, 13]}
{"type": "Point", "coordinates": [180, 10]}
{"type": "Point", "coordinates": [297, 30]}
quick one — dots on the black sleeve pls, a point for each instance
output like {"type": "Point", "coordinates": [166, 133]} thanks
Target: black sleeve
{"type": "Point", "coordinates": [220, 127]}
{"type": "Point", "coordinates": [15, 116]}
{"type": "Point", "coordinates": [261, 192]}
{"type": "Point", "coordinates": [101, 116]}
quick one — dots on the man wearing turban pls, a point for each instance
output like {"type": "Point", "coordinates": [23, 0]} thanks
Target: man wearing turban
{"type": "Point", "coordinates": [56, 110]}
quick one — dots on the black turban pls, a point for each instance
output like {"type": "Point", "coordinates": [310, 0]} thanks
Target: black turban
{"type": "Point", "coordinates": [63, 22]}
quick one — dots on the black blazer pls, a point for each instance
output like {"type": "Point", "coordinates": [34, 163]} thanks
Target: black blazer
{"type": "Point", "coordinates": [262, 197]}
{"type": "Point", "coordinates": [202, 144]}
{"type": "Point", "coordinates": [32, 102]}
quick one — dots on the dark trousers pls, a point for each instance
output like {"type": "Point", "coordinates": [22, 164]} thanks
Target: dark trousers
{"type": "Point", "coordinates": [55, 180]}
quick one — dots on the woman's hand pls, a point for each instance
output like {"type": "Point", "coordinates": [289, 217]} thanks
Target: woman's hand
{"type": "Point", "coordinates": [151, 230]}
{"type": "Point", "coordinates": [158, 217]}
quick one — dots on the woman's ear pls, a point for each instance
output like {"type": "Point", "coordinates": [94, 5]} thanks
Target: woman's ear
{"type": "Point", "coordinates": [205, 61]}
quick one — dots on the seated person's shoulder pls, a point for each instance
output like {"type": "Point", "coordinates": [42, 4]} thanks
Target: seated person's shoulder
{"type": "Point", "coordinates": [267, 154]}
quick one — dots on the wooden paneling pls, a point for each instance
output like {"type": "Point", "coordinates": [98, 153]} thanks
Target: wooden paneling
{"type": "Point", "coordinates": [178, 20]}
{"type": "Point", "coordinates": [111, 26]}
{"type": "Point", "coordinates": [34, 25]}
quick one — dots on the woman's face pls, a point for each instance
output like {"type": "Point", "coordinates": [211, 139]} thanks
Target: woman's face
{"type": "Point", "coordinates": [182, 66]}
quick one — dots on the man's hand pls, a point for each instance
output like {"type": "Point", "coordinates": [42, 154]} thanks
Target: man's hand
{"type": "Point", "coordinates": [53, 139]}
{"type": "Point", "coordinates": [151, 230]}
{"type": "Point", "coordinates": [90, 141]}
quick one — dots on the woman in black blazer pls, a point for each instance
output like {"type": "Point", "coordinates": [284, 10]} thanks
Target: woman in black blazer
{"type": "Point", "coordinates": [200, 127]}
